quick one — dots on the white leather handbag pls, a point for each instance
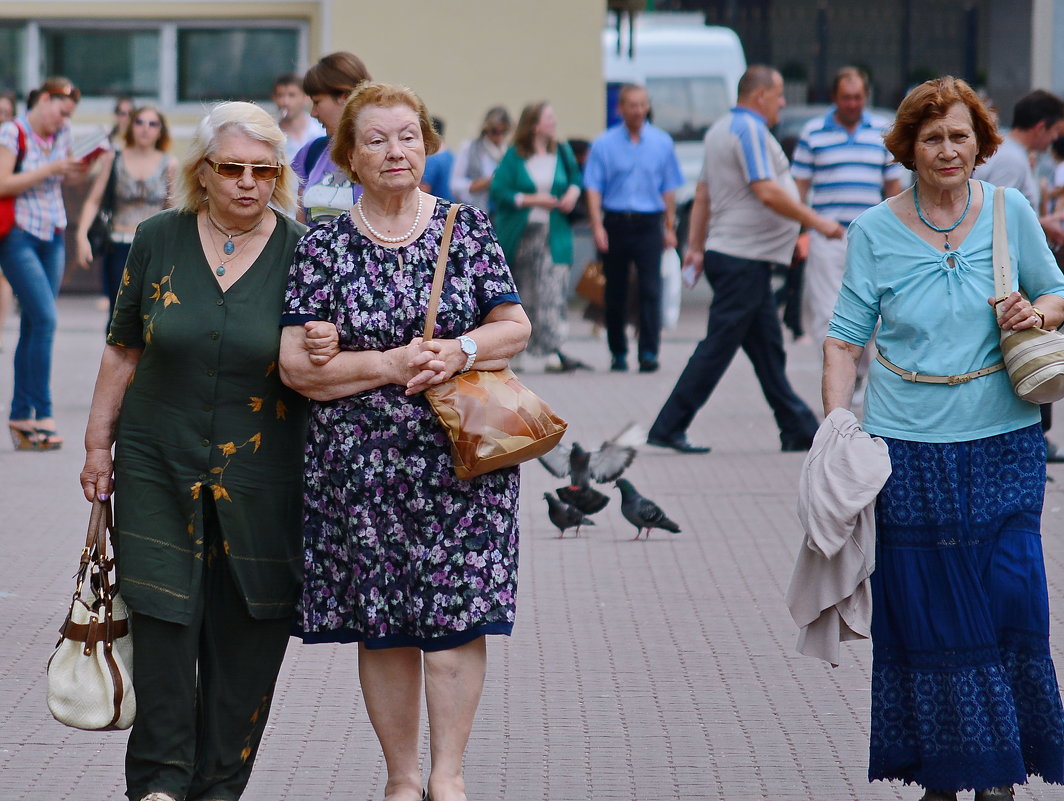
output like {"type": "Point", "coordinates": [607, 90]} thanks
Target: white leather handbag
{"type": "Point", "coordinates": [90, 674]}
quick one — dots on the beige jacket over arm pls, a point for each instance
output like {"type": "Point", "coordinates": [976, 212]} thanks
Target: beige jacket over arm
{"type": "Point", "coordinates": [829, 596]}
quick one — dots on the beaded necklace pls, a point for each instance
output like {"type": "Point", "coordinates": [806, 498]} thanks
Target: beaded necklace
{"type": "Point", "coordinates": [932, 226]}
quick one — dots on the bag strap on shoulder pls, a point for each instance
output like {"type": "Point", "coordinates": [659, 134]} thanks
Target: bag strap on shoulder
{"type": "Point", "coordinates": [1000, 250]}
{"type": "Point", "coordinates": [21, 154]}
{"type": "Point", "coordinates": [441, 269]}
{"type": "Point", "coordinates": [314, 152]}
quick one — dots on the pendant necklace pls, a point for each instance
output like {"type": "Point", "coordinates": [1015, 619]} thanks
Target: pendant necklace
{"type": "Point", "coordinates": [229, 251]}
{"type": "Point", "coordinates": [932, 226]}
{"type": "Point", "coordinates": [229, 247]}
{"type": "Point", "coordinates": [391, 239]}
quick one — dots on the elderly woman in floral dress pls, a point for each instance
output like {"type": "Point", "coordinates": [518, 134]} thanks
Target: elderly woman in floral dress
{"type": "Point", "coordinates": [401, 556]}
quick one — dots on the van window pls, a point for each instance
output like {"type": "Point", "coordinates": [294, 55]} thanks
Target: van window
{"type": "Point", "coordinates": [686, 107]}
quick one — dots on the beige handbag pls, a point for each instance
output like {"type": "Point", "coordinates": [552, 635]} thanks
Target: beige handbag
{"type": "Point", "coordinates": [1033, 357]}
{"type": "Point", "coordinates": [90, 682]}
{"type": "Point", "coordinates": [492, 419]}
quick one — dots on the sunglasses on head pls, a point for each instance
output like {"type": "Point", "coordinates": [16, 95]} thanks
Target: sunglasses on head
{"type": "Point", "coordinates": [233, 169]}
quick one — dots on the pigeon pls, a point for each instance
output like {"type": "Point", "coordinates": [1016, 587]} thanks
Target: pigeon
{"type": "Point", "coordinates": [565, 516]}
{"type": "Point", "coordinates": [605, 465]}
{"type": "Point", "coordinates": [642, 512]}
{"type": "Point", "coordinates": [586, 499]}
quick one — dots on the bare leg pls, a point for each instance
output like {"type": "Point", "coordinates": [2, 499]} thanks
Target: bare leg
{"type": "Point", "coordinates": [454, 680]}
{"type": "Point", "coordinates": [391, 686]}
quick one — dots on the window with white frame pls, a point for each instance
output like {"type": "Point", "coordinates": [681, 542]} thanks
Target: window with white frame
{"type": "Point", "coordinates": [237, 64]}
{"type": "Point", "coordinates": [169, 62]}
{"type": "Point", "coordinates": [104, 61]}
{"type": "Point", "coordinates": [10, 56]}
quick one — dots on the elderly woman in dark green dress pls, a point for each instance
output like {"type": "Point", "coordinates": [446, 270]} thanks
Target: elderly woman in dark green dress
{"type": "Point", "coordinates": [208, 460]}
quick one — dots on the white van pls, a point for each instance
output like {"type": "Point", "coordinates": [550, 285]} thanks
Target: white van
{"type": "Point", "coordinates": [691, 71]}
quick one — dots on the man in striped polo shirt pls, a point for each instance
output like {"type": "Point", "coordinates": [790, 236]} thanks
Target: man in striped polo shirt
{"type": "Point", "coordinates": [841, 168]}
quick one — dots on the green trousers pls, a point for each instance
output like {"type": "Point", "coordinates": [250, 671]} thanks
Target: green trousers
{"type": "Point", "coordinates": [203, 690]}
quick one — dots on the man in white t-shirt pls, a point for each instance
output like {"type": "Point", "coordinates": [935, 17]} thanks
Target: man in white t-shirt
{"type": "Point", "coordinates": [745, 217]}
{"type": "Point", "coordinates": [295, 120]}
{"type": "Point", "coordinates": [1037, 119]}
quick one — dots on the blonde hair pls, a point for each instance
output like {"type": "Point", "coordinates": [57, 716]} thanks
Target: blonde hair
{"type": "Point", "coordinates": [251, 121]}
{"type": "Point", "coordinates": [377, 94]}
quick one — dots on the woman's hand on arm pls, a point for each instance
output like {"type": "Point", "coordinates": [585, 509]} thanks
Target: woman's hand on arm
{"type": "Point", "coordinates": [116, 370]}
{"type": "Point", "coordinates": [840, 373]}
{"type": "Point", "coordinates": [344, 374]}
{"type": "Point", "coordinates": [567, 202]}
{"type": "Point", "coordinates": [321, 340]}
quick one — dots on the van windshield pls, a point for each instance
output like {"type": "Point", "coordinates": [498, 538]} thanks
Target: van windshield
{"type": "Point", "coordinates": [686, 107]}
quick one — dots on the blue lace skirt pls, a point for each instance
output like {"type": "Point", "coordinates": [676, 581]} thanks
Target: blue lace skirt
{"type": "Point", "coordinates": [964, 694]}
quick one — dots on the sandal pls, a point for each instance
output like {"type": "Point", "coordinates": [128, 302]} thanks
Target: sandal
{"type": "Point", "coordinates": [48, 439]}
{"type": "Point", "coordinates": [24, 439]}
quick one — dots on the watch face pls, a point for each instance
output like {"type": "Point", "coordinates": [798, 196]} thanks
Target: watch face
{"type": "Point", "coordinates": [469, 347]}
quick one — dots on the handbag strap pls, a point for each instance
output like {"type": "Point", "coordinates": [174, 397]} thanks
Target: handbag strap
{"type": "Point", "coordinates": [1002, 262]}
{"type": "Point", "coordinates": [441, 268]}
{"type": "Point", "coordinates": [95, 551]}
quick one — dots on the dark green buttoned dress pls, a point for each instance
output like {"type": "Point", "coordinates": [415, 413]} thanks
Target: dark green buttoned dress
{"type": "Point", "coordinates": [206, 412]}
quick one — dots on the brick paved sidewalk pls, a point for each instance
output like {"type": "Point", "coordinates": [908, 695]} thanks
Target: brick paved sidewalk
{"type": "Point", "coordinates": [638, 671]}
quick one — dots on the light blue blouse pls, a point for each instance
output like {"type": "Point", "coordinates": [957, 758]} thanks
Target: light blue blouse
{"type": "Point", "coordinates": [935, 319]}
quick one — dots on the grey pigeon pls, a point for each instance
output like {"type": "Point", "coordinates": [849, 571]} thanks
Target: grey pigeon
{"type": "Point", "coordinates": [580, 493]}
{"type": "Point", "coordinates": [604, 465]}
{"type": "Point", "coordinates": [642, 512]}
{"type": "Point", "coordinates": [565, 516]}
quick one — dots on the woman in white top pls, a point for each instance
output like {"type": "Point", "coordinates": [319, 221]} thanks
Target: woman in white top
{"type": "Point", "coordinates": [536, 185]}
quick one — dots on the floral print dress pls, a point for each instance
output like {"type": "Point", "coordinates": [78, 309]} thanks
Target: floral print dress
{"type": "Point", "coordinates": [397, 550]}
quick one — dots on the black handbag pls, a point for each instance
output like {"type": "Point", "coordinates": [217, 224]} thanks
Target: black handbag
{"type": "Point", "coordinates": [99, 233]}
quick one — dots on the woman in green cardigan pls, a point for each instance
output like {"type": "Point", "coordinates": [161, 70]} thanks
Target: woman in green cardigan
{"type": "Point", "coordinates": [536, 184]}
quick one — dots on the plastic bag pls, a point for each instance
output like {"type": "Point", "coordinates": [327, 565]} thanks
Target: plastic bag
{"type": "Point", "coordinates": [671, 288]}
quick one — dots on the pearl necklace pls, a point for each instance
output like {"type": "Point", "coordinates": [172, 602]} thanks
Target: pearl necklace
{"type": "Point", "coordinates": [391, 239]}
{"type": "Point", "coordinates": [925, 221]}
{"type": "Point", "coordinates": [229, 245]}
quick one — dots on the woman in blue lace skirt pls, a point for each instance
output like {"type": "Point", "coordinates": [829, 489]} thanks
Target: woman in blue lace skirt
{"type": "Point", "coordinates": [964, 693]}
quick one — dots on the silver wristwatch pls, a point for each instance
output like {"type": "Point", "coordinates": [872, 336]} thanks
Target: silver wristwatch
{"type": "Point", "coordinates": [469, 348]}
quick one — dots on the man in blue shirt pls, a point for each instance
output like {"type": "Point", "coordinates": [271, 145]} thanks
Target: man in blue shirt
{"type": "Point", "coordinates": [437, 178]}
{"type": "Point", "coordinates": [630, 181]}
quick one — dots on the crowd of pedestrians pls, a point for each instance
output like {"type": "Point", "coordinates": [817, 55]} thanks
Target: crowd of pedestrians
{"type": "Point", "coordinates": [268, 295]}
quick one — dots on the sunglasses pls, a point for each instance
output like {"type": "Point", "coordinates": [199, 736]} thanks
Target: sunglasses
{"type": "Point", "coordinates": [233, 169]}
{"type": "Point", "coordinates": [149, 123]}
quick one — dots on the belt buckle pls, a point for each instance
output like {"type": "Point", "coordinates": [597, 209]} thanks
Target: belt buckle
{"type": "Point", "coordinates": [954, 380]}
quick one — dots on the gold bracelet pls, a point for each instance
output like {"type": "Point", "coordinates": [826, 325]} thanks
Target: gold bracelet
{"type": "Point", "coordinates": [1041, 316]}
